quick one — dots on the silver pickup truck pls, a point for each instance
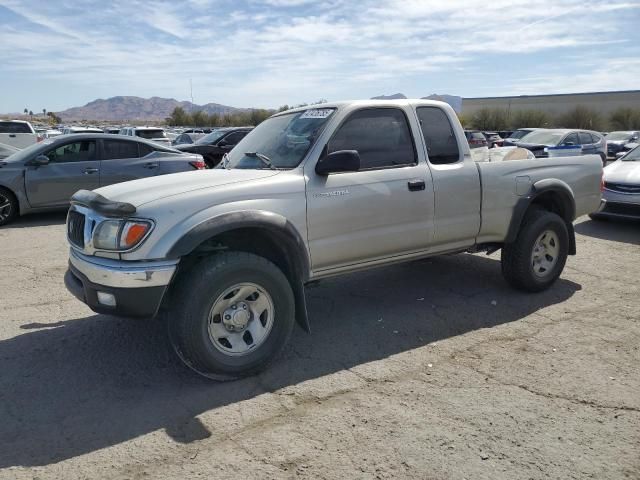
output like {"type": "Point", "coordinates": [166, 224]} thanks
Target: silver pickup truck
{"type": "Point", "coordinates": [312, 193]}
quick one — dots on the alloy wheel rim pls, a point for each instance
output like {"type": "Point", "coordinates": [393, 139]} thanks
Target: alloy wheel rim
{"type": "Point", "coordinates": [546, 250]}
{"type": "Point", "coordinates": [240, 319]}
{"type": "Point", "coordinates": [5, 207]}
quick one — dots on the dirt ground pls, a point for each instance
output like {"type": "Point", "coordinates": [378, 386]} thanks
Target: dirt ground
{"type": "Point", "coordinates": [431, 370]}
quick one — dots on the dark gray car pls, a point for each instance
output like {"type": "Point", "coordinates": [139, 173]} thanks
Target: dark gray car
{"type": "Point", "coordinates": [45, 175]}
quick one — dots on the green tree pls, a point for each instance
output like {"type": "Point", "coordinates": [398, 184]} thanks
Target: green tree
{"type": "Point", "coordinates": [582, 117]}
{"type": "Point", "coordinates": [625, 119]}
{"type": "Point", "coordinates": [179, 117]}
{"type": "Point", "coordinates": [490, 119]}
{"type": "Point", "coordinates": [26, 111]}
{"type": "Point", "coordinates": [44, 112]}
{"type": "Point", "coordinates": [529, 118]}
{"type": "Point", "coordinates": [199, 119]}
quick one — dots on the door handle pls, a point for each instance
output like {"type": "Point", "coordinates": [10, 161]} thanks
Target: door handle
{"type": "Point", "coordinates": [89, 171]}
{"type": "Point", "coordinates": [416, 185]}
{"type": "Point", "coordinates": [13, 135]}
{"type": "Point", "coordinates": [150, 165]}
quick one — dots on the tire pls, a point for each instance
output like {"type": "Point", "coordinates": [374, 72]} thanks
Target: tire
{"type": "Point", "coordinates": [9, 208]}
{"type": "Point", "coordinates": [526, 265]}
{"type": "Point", "coordinates": [201, 337]}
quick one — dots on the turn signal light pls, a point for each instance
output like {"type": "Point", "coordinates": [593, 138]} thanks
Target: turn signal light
{"type": "Point", "coordinates": [133, 233]}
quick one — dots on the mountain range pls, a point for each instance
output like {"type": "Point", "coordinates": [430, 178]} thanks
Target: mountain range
{"type": "Point", "coordinates": [129, 108]}
{"type": "Point", "coordinates": [137, 108]}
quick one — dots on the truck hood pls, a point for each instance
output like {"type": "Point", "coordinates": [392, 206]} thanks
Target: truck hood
{"type": "Point", "coordinates": [623, 172]}
{"type": "Point", "coordinates": [139, 192]}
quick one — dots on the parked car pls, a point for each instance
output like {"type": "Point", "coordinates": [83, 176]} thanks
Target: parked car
{"type": "Point", "coordinates": [45, 175]}
{"type": "Point", "coordinates": [476, 139]}
{"type": "Point", "coordinates": [112, 130]}
{"type": "Point", "coordinates": [187, 138]}
{"type": "Point", "coordinates": [50, 134]}
{"type": "Point", "coordinates": [74, 130]}
{"type": "Point", "coordinates": [515, 136]}
{"type": "Point", "coordinates": [616, 141]}
{"type": "Point", "coordinates": [154, 134]}
{"type": "Point", "coordinates": [213, 146]}
{"type": "Point", "coordinates": [312, 193]}
{"type": "Point", "coordinates": [540, 140]}
{"type": "Point", "coordinates": [204, 130]}
{"type": "Point", "coordinates": [7, 150]}
{"type": "Point", "coordinates": [493, 139]}
{"type": "Point", "coordinates": [17, 133]}
{"type": "Point", "coordinates": [621, 194]}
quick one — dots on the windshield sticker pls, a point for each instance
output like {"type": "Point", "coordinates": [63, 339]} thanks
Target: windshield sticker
{"type": "Point", "coordinates": [317, 113]}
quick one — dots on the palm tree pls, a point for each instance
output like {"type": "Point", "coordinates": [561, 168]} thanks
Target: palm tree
{"type": "Point", "coordinates": [44, 112]}
{"type": "Point", "coordinates": [26, 111]}
{"type": "Point", "coordinates": [31, 114]}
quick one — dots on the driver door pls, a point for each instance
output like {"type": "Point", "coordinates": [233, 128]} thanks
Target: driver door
{"type": "Point", "coordinates": [72, 166]}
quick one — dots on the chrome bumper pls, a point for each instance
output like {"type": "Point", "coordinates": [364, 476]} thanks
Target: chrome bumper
{"type": "Point", "coordinates": [121, 274]}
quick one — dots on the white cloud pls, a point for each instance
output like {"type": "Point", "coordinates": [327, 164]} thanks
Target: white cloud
{"type": "Point", "coordinates": [264, 53]}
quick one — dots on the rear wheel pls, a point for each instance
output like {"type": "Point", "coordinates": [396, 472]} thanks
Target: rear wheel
{"type": "Point", "coordinates": [232, 315]}
{"type": "Point", "coordinates": [8, 206]}
{"type": "Point", "coordinates": [536, 259]}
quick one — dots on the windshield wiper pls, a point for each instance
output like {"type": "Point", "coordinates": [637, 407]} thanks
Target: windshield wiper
{"type": "Point", "coordinates": [266, 160]}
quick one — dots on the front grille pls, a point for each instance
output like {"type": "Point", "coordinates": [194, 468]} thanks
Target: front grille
{"type": "Point", "coordinates": [75, 228]}
{"type": "Point", "coordinates": [622, 188]}
{"type": "Point", "coordinates": [631, 209]}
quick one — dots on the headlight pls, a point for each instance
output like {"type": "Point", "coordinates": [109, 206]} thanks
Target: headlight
{"type": "Point", "coordinates": [120, 234]}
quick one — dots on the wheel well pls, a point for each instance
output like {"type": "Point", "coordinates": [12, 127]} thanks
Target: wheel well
{"type": "Point", "coordinates": [264, 242]}
{"type": "Point", "coordinates": [554, 202]}
{"type": "Point", "coordinates": [12, 193]}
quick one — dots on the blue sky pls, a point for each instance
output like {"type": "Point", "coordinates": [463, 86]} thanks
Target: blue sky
{"type": "Point", "coordinates": [58, 54]}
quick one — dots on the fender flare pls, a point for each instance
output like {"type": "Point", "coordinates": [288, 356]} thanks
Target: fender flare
{"type": "Point", "coordinates": [276, 224]}
{"type": "Point", "coordinates": [567, 203]}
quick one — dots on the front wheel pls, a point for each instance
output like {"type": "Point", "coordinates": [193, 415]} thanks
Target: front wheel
{"type": "Point", "coordinates": [537, 257]}
{"type": "Point", "coordinates": [8, 206]}
{"type": "Point", "coordinates": [231, 315]}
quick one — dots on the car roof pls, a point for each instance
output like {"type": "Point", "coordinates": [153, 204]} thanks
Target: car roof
{"type": "Point", "coordinates": [368, 103]}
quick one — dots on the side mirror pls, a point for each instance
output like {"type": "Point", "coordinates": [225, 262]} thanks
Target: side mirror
{"type": "Point", "coordinates": [337, 162]}
{"type": "Point", "coordinates": [39, 161]}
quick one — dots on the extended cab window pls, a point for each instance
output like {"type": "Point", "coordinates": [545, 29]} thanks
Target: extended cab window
{"type": "Point", "coordinates": [117, 149]}
{"type": "Point", "coordinates": [380, 135]}
{"type": "Point", "coordinates": [441, 142]}
{"type": "Point", "coordinates": [74, 152]}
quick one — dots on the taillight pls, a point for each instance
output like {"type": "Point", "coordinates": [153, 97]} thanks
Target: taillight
{"type": "Point", "coordinates": [602, 182]}
{"type": "Point", "coordinates": [198, 164]}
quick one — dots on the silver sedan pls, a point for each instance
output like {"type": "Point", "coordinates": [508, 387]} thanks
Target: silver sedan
{"type": "Point", "coordinates": [44, 176]}
{"type": "Point", "coordinates": [621, 194]}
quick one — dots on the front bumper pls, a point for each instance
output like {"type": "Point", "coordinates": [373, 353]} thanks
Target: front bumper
{"type": "Point", "coordinates": [618, 210]}
{"type": "Point", "coordinates": [136, 288]}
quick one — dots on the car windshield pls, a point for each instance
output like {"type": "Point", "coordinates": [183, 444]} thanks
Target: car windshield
{"type": "Point", "coordinates": [210, 138]}
{"type": "Point", "coordinates": [632, 156]}
{"type": "Point", "coordinates": [519, 134]}
{"type": "Point", "coordinates": [619, 136]}
{"type": "Point", "coordinates": [149, 133]}
{"type": "Point", "coordinates": [284, 139]}
{"type": "Point", "coordinates": [543, 137]}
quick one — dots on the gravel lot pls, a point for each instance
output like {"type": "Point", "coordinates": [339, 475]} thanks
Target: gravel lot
{"type": "Point", "coordinates": [434, 369]}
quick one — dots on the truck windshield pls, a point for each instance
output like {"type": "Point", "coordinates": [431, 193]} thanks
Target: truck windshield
{"type": "Point", "coordinates": [283, 139]}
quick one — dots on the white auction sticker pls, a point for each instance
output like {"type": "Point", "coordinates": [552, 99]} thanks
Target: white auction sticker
{"type": "Point", "coordinates": [317, 113]}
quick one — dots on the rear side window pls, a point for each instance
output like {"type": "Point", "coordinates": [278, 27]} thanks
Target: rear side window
{"type": "Point", "coordinates": [145, 149]}
{"type": "Point", "coordinates": [441, 142]}
{"type": "Point", "coordinates": [380, 135]}
{"type": "Point", "coordinates": [14, 127]}
{"type": "Point", "coordinates": [594, 138]}
{"type": "Point", "coordinates": [585, 138]}
{"type": "Point", "coordinates": [117, 149]}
